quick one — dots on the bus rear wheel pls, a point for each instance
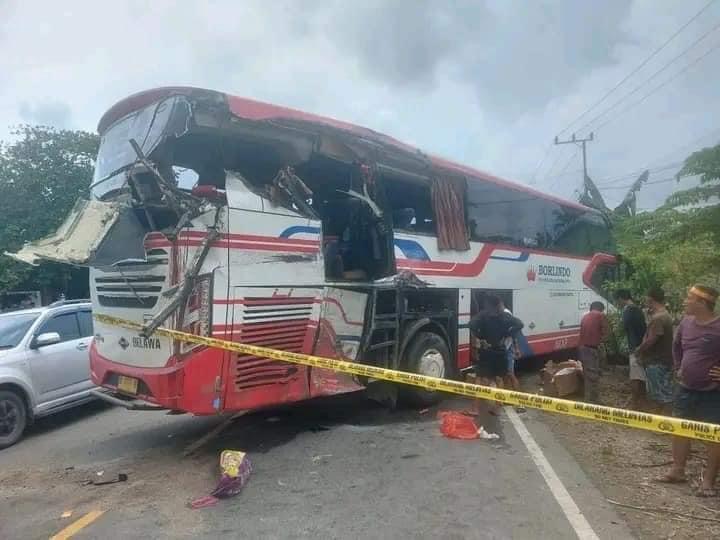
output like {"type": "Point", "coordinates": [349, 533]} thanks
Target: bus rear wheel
{"type": "Point", "coordinates": [427, 354]}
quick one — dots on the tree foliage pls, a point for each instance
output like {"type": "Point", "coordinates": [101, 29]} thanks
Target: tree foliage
{"type": "Point", "coordinates": [42, 173]}
{"type": "Point", "coordinates": [704, 164]}
{"type": "Point", "coordinates": [679, 243]}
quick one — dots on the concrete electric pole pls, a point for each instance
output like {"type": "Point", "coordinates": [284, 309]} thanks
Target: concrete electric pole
{"type": "Point", "coordinates": [581, 142]}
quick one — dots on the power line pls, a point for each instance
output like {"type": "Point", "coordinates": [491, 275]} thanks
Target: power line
{"type": "Point", "coordinates": [565, 173]}
{"type": "Point", "coordinates": [610, 180]}
{"type": "Point", "coordinates": [583, 146]}
{"type": "Point", "coordinates": [644, 83]}
{"type": "Point", "coordinates": [567, 164]}
{"type": "Point", "coordinates": [663, 181]}
{"type": "Point", "coordinates": [689, 145]}
{"type": "Point", "coordinates": [615, 179]}
{"type": "Point", "coordinates": [540, 163]}
{"type": "Point", "coordinates": [640, 66]}
{"type": "Point", "coordinates": [552, 166]}
{"type": "Point", "coordinates": [659, 87]}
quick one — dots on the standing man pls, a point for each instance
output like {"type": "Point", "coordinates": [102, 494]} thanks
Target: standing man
{"type": "Point", "coordinates": [634, 324]}
{"type": "Point", "coordinates": [490, 327]}
{"type": "Point", "coordinates": [594, 329]}
{"type": "Point", "coordinates": [696, 355]}
{"type": "Point", "coordinates": [655, 352]}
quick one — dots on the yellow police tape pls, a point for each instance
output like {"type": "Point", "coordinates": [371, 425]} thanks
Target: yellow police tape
{"type": "Point", "coordinates": [651, 422]}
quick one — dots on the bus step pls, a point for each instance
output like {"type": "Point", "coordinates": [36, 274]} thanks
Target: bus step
{"type": "Point", "coordinates": [381, 345]}
{"type": "Point", "coordinates": [384, 325]}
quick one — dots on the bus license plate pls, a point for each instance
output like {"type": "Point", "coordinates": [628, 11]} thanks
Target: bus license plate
{"type": "Point", "coordinates": [127, 384]}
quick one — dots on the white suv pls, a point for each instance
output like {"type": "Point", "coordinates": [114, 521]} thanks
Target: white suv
{"type": "Point", "coordinates": [44, 363]}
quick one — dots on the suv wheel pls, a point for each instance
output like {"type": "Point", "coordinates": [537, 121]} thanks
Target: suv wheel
{"type": "Point", "coordinates": [13, 418]}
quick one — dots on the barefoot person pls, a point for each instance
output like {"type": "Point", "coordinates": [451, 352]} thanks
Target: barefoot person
{"type": "Point", "coordinates": [696, 353]}
{"type": "Point", "coordinates": [655, 353]}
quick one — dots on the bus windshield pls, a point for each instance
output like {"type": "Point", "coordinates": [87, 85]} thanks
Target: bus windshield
{"type": "Point", "coordinates": [148, 127]}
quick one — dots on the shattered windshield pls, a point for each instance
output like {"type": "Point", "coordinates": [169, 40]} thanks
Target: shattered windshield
{"type": "Point", "coordinates": [148, 126]}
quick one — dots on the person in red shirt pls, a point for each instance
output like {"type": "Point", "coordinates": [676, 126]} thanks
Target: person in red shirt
{"type": "Point", "coordinates": [594, 329]}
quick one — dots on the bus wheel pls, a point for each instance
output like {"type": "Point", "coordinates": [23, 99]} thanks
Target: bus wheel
{"type": "Point", "coordinates": [428, 354]}
{"type": "Point", "coordinates": [13, 418]}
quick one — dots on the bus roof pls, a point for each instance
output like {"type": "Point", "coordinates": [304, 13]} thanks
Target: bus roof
{"type": "Point", "coordinates": [250, 109]}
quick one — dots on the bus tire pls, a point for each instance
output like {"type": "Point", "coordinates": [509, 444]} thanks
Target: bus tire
{"type": "Point", "coordinates": [13, 418]}
{"type": "Point", "coordinates": [427, 354]}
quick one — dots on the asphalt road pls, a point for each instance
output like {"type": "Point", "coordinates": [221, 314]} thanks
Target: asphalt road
{"type": "Point", "coordinates": [339, 468]}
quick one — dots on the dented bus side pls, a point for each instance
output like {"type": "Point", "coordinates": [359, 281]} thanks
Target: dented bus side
{"type": "Point", "coordinates": [226, 217]}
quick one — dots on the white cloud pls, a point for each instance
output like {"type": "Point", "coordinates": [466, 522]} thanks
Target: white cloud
{"type": "Point", "coordinates": [487, 83]}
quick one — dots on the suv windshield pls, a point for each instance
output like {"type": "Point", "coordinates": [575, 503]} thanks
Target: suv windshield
{"type": "Point", "coordinates": [14, 327]}
{"type": "Point", "coordinates": [147, 127]}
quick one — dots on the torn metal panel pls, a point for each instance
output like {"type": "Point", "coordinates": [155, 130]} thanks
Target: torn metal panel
{"type": "Point", "coordinates": [77, 239]}
{"type": "Point", "coordinates": [183, 290]}
{"type": "Point", "coordinates": [404, 278]}
{"type": "Point", "coordinates": [290, 191]}
{"type": "Point", "coordinates": [343, 311]}
{"type": "Point", "coordinates": [240, 194]}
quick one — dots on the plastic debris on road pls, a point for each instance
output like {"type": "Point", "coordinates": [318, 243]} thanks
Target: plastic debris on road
{"type": "Point", "coordinates": [487, 435]}
{"type": "Point", "coordinates": [102, 479]}
{"type": "Point", "coordinates": [456, 425]}
{"type": "Point", "coordinates": [236, 469]}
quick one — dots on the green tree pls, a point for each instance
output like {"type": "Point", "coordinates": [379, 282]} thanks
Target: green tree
{"type": "Point", "coordinates": [679, 243]}
{"type": "Point", "coordinates": [704, 164]}
{"type": "Point", "coordinates": [42, 173]}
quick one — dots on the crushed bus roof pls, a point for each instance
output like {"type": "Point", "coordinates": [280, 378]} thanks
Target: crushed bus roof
{"type": "Point", "coordinates": [249, 109]}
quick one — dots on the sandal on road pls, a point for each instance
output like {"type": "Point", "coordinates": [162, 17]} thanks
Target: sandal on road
{"type": "Point", "coordinates": [671, 479]}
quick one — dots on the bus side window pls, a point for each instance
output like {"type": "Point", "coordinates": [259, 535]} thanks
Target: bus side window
{"type": "Point", "coordinates": [410, 202]}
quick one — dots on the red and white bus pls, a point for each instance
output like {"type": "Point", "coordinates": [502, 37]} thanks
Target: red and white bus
{"type": "Point", "coordinates": [227, 217]}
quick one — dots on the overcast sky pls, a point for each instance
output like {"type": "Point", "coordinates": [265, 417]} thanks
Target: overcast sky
{"type": "Point", "coordinates": [486, 82]}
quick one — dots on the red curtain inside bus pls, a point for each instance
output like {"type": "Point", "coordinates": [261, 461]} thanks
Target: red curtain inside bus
{"type": "Point", "coordinates": [448, 200]}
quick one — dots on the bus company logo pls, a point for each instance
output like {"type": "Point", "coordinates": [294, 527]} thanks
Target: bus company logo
{"type": "Point", "coordinates": [554, 271]}
{"type": "Point", "coordinates": [549, 273]}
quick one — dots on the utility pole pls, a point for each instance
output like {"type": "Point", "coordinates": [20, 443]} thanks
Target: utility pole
{"type": "Point", "coordinates": [581, 142]}
{"type": "Point", "coordinates": [591, 194]}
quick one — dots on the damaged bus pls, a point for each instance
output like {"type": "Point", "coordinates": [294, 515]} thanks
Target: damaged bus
{"type": "Point", "coordinates": [226, 217]}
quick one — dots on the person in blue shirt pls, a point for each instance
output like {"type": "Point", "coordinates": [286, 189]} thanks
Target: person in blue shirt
{"type": "Point", "coordinates": [635, 327]}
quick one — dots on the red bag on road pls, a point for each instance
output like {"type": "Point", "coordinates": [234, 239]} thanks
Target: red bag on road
{"type": "Point", "coordinates": [456, 425]}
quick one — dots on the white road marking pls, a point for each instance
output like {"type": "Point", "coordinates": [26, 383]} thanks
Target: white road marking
{"type": "Point", "coordinates": [573, 514]}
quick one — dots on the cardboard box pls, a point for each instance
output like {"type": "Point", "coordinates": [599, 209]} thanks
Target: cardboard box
{"type": "Point", "coordinates": [562, 379]}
